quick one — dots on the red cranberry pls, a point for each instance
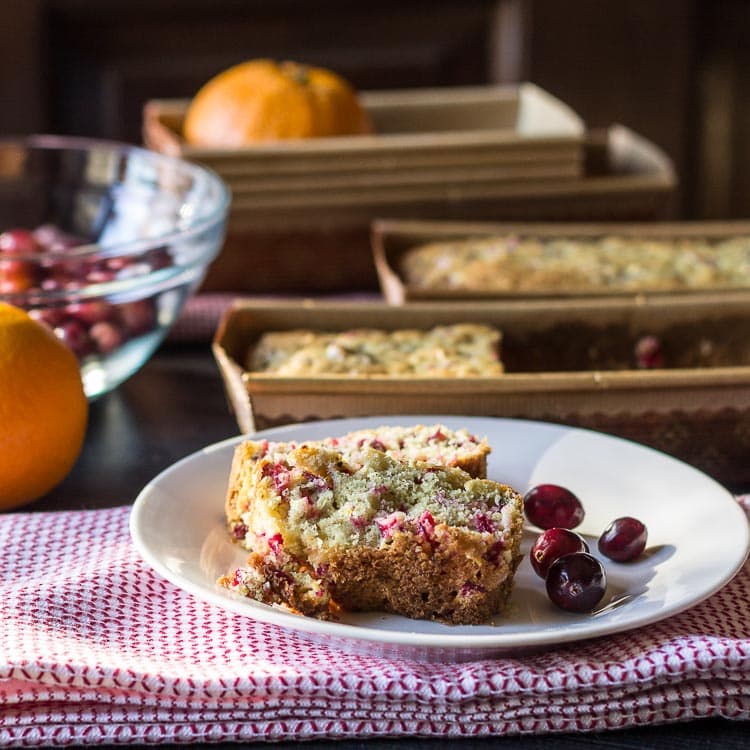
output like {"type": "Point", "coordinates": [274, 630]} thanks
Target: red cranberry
{"type": "Point", "coordinates": [549, 505]}
{"type": "Point", "coordinates": [54, 239]}
{"type": "Point", "coordinates": [116, 264]}
{"type": "Point", "coordinates": [553, 544]}
{"type": "Point", "coordinates": [483, 523]}
{"type": "Point", "coordinates": [495, 552]}
{"type": "Point", "coordinates": [51, 316]}
{"type": "Point", "coordinates": [138, 317]}
{"type": "Point", "coordinates": [59, 283]}
{"type": "Point", "coordinates": [389, 525]}
{"type": "Point", "coordinates": [18, 242]}
{"type": "Point", "coordinates": [90, 312]}
{"type": "Point", "coordinates": [106, 336]}
{"type": "Point", "coordinates": [576, 582]}
{"type": "Point", "coordinates": [276, 543]}
{"type": "Point", "coordinates": [99, 276]}
{"type": "Point", "coordinates": [280, 476]}
{"type": "Point", "coordinates": [158, 258]}
{"type": "Point", "coordinates": [649, 353]}
{"type": "Point", "coordinates": [624, 539]}
{"type": "Point", "coordinates": [426, 526]}
{"type": "Point", "coordinates": [73, 333]}
{"type": "Point", "coordinates": [16, 275]}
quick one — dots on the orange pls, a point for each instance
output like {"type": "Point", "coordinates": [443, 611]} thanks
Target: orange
{"type": "Point", "coordinates": [262, 100]}
{"type": "Point", "coordinates": [43, 409]}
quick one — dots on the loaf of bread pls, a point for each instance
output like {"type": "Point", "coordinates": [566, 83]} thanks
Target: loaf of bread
{"type": "Point", "coordinates": [511, 264]}
{"type": "Point", "coordinates": [380, 535]}
{"type": "Point", "coordinates": [433, 444]}
{"type": "Point", "coordinates": [461, 350]}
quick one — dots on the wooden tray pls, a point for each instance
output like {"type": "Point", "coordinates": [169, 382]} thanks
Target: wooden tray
{"type": "Point", "coordinates": [698, 413]}
{"type": "Point", "coordinates": [391, 239]}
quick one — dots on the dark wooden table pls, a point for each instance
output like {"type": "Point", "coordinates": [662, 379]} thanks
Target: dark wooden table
{"type": "Point", "coordinates": [175, 405]}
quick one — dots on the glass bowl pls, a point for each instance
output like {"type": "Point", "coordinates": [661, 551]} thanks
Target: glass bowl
{"type": "Point", "coordinates": [104, 242]}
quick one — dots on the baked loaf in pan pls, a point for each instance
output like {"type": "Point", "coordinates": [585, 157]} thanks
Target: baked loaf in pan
{"type": "Point", "coordinates": [432, 444]}
{"type": "Point", "coordinates": [512, 264]}
{"type": "Point", "coordinates": [418, 540]}
{"type": "Point", "coordinates": [462, 350]}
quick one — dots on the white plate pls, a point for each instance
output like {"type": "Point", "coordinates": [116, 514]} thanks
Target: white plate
{"type": "Point", "coordinates": [698, 537]}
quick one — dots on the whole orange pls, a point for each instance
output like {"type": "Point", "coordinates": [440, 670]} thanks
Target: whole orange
{"type": "Point", "coordinates": [43, 408]}
{"type": "Point", "coordinates": [263, 100]}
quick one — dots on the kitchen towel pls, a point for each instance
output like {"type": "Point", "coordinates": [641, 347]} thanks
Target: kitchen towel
{"type": "Point", "coordinates": [96, 648]}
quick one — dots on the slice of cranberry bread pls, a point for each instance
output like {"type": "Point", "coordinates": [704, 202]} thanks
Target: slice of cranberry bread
{"type": "Point", "coordinates": [433, 444]}
{"type": "Point", "coordinates": [422, 541]}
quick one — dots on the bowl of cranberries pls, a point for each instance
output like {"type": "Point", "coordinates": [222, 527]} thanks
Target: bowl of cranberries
{"type": "Point", "coordinates": [104, 242]}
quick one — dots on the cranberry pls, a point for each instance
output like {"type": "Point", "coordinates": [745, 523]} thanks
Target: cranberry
{"type": "Point", "coordinates": [549, 505]}
{"type": "Point", "coordinates": [576, 582]}
{"type": "Point", "coordinates": [482, 522]}
{"type": "Point", "coordinates": [649, 353]}
{"type": "Point", "coordinates": [158, 258]}
{"type": "Point", "coordinates": [552, 544]}
{"type": "Point", "coordinates": [624, 539]}
{"type": "Point", "coordinates": [99, 276]}
{"type": "Point", "coordinates": [107, 336]}
{"type": "Point", "coordinates": [90, 312]}
{"type": "Point", "coordinates": [138, 317]}
{"type": "Point", "coordinates": [426, 526]}
{"type": "Point", "coordinates": [16, 275]}
{"type": "Point", "coordinates": [18, 242]}
{"type": "Point", "coordinates": [60, 275]}
{"type": "Point", "coordinates": [495, 552]}
{"type": "Point", "coordinates": [276, 542]}
{"type": "Point", "coordinates": [76, 336]}
{"type": "Point", "coordinates": [389, 525]}
{"type": "Point", "coordinates": [280, 476]}
{"type": "Point", "coordinates": [51, 316]}
{"type": "Point", "coordinates": [53, 238]}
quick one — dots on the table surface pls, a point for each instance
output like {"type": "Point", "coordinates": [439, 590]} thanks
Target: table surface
{"type": "Point", "coordinates": [176, 405]}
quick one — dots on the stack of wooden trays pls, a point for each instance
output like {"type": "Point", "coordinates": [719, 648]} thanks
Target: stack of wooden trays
{"type": "Point", "coordinates": [301, 211]}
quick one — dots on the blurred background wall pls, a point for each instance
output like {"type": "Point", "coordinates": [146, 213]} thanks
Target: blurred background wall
{"type": "Point", "coordinates": [674, 70]}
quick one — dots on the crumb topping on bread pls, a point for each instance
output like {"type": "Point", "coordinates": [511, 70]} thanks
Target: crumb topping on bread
{"type": "Point", "coordinates": [460, 350]}
{"type": "Point", "coordinates": [519, 263]}
{"type": "Point", "coordinates": [433, 444]}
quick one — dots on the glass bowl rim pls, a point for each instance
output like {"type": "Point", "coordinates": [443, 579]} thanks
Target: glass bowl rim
{"type": "Point", "coordinates": [43, 142]}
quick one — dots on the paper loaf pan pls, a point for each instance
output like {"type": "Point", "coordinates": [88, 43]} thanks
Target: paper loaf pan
{"type": "Point", "coordinates": [570, 362]}
{"type": "Point", "coordinates": [392, 239]}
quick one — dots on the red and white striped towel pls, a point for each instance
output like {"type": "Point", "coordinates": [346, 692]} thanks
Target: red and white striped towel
{"type": "Point", "coordinates": [96, 648]}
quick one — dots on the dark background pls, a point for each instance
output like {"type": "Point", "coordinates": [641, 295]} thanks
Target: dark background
{"type": "Point", "coordinates": [672, 70]}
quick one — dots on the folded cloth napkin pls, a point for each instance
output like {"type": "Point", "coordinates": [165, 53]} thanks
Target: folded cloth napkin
{"type": "Point", "coordinates": [96, 648]}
